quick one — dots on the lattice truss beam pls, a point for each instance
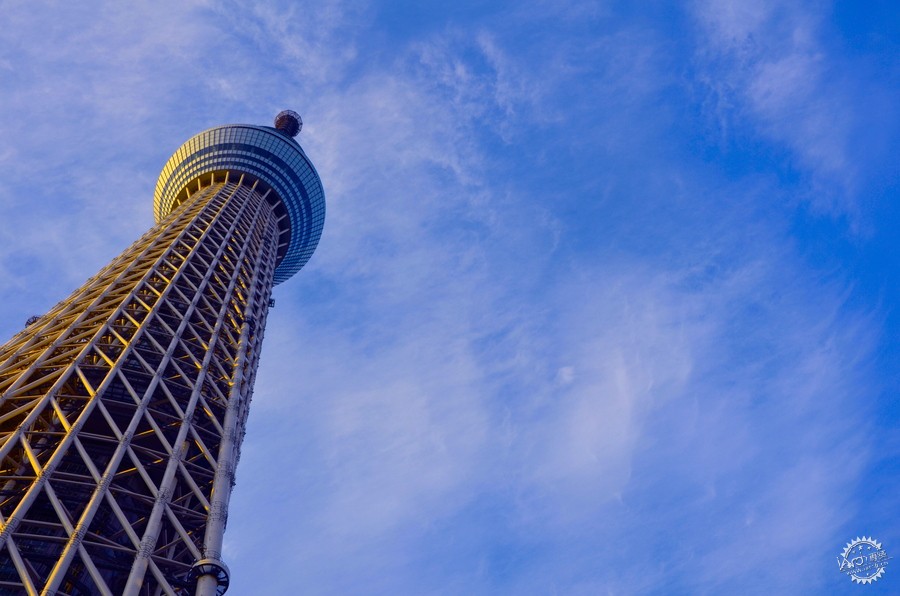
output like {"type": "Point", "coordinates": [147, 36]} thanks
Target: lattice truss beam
{"type": "Point", "coordinates": [123, 408]}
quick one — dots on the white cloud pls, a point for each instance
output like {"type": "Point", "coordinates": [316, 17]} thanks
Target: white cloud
{"type": "Point", "coordinates": [768, 64]}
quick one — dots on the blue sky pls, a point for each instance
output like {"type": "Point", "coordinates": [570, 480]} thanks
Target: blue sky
{"type": "Point", "coordinates": [607, 298]}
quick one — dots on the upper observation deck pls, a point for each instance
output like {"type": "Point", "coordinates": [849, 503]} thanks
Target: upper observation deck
{"type": "Point", "coordinates": [272, 159]}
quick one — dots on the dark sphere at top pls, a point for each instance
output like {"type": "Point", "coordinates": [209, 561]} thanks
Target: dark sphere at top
{"type": "Point", "coordinates": [288, 122]}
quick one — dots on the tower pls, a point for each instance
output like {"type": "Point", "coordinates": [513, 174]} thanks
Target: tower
{"type": "Point", "coordinates": [122, 410]}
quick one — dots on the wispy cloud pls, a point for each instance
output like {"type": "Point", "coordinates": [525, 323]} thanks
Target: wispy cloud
{"type": "Point", "coordinates": [645, 387]}
{"type": "Point", "coordinates": [770, 71]}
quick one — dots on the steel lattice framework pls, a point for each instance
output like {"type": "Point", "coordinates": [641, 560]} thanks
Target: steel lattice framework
{"type": "Point", "coordinates": [123, 408]}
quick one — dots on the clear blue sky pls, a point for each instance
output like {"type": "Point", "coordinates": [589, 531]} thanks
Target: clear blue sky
{"type": "Point", "coordinates": [607, 298]}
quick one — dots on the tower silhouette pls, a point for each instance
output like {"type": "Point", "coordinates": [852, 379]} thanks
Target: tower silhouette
{"type": "Point", "coordinates": [122, 410]}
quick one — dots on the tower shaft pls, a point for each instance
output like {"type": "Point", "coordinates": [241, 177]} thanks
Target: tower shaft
{"type": "Point", "coordinates": [123, 408]}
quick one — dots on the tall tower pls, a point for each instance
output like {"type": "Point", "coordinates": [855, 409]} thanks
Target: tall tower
{"type": "Point", "coordinates": [122, 410]}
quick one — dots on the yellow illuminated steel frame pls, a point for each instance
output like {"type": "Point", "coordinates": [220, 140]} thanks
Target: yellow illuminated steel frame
{"type": "Point", "coordinates": [123, 408]}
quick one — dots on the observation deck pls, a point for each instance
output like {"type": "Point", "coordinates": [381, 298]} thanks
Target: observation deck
{"type": "Point", "coordinates": [268, 156]}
